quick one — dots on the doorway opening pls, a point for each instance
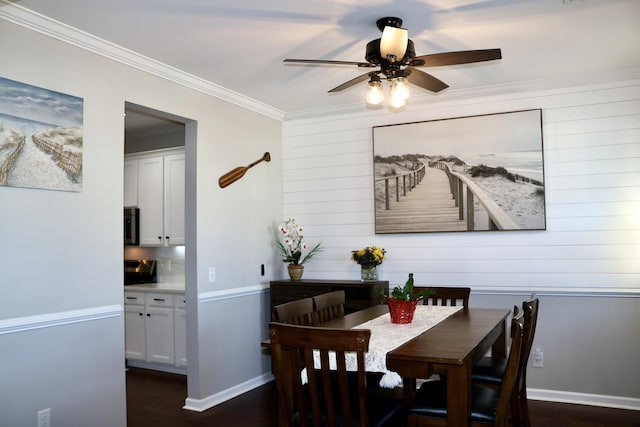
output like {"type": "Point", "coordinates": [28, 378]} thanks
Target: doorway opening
{"type": "Point", "coordinates": [149, 135]}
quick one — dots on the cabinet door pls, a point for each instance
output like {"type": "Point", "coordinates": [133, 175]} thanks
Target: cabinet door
{"type": "Point", "coordinates": [180, 323]}
{"type": "Point", "coordinates": [130, 183]}
{"type": "Point", "coordinates": [134, 321]}
{"type": "Point", "coordinates": [151, 201]}
{"type": "Point", "coordinates": [159, 328]}
{"type": "Point", "coordinates": [174, 205]}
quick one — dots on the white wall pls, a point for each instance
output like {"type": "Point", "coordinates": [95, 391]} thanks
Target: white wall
{"type": "Point", "coordinates": [585, 265]}
{"type": "Point", "coordinates": [61, 287]}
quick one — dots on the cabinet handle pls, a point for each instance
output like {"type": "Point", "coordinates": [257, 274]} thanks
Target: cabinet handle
{"type": "Point", "coordinates": [159, 299]}
{"type": "Point", "coordinates": [139, 314]}
{"type": "Point", "coordinates": [166, 237]}
{"type": "Point", "coordinates": [148, 314]}
{"type": "Point", "coordinates": [132, 297]}
{"type": "Point", "coordinates": [159, 237]}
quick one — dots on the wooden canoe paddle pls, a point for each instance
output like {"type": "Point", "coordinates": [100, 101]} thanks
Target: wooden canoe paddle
{"type": "Point", "coordinates": [237, 173]}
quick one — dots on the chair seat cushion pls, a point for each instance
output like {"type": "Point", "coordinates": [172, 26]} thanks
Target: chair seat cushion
{"type": "Point", "coordinates": [383, 408]}
{"type": "Point", "coordinates": [431, 401]}
{"type": "Point", "coordinates": [489, 370]}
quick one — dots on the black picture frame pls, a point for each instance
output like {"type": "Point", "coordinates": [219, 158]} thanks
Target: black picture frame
{"type": "Point", "coordinates": [471, 173]}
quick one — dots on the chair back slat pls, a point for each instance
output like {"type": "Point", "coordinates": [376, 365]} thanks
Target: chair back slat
{"type": "Point", "coordinates": [512, 372]}
{"type": "Point", "coordinates": [298, 312]}
{"type": "Point", "coordinates": [329, 395]}
{"type": "Point", "coordinates": [519, 405]}
{"type": "Point", "coordinates": [328, 306]}
{"type": "Point", "coordinates": [443, 295]}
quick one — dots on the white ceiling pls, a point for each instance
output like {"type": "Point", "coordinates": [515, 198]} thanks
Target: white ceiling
{"type": "Point", "coordinates": [240, 44]}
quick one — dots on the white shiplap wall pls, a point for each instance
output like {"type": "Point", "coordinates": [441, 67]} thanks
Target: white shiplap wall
{"type": "Point", "coordinates": [592, 173]}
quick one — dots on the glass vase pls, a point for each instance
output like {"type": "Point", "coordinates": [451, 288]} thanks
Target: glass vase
{"type": "Point", "coordinates": [368, 273]}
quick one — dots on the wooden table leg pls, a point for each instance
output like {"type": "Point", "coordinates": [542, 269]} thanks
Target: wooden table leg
{"type": "Point", "coordinates": [409, 389]}
{"type": "Point", "coordinates": [458, 395]}
{"type": "Point", "coordinates": [499, 348]}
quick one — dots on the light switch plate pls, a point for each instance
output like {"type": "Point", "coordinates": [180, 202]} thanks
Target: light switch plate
{"type": "Point", "coordinates": [212, 274]}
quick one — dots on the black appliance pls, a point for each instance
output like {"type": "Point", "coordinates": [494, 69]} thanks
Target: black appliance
{"type": "Point", "coordinates": [131, 226]}
{"type": "Point", "coordinates": [137, 271]}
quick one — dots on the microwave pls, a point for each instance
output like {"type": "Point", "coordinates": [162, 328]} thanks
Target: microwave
{"type": "Point", "coordinates": [131, 226]}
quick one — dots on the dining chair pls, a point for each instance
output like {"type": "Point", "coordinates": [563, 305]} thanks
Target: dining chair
{"type": "Point", "coordinates": [489, 371]}
{"type": "Point", "coordinates": [298, 312]}
{"type": "Point", "coordinates": [443, 295]}
{"type": "Point", "coordinates": [314, 391]}
{"type": "Point", "coordinates": [328, 306]}
{"type": "Point", "coordinates": [488, 407]}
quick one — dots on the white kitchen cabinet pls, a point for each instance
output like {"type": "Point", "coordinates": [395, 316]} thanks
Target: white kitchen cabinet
{"type": "Point", "coordinates": [130, 183]}
{"type": "Point", "coordinates": [180, 330]}
{"type": "Point", "coordinates": [160, 196]}
{"type": "Point", "coordinates": [174, 205]}
{"type": "Point", "coordinates": [135, 331]}
{"type": "Point", "coordinates": [159, 335]}
{"type": "Point", "coordinates": [150, 327]}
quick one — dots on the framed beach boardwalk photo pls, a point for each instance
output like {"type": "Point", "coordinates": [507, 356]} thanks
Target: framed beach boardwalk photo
{"type": "Point", "coordinates": [41, 144]}
{"type": "Point", "coordinates": [475, 173]}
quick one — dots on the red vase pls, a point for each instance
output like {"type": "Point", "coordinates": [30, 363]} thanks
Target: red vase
{"type": "Point", "coordinates": [401, 311]}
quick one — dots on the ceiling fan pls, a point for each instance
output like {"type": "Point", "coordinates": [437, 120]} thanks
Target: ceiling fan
{"type": "Point", "coordinates": [395, 57]}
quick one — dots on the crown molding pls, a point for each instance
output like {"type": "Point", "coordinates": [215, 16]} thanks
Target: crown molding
{"type": "Point", "coordinates": [49, 27]}
{"type": "Point", "coordinates": [40, 23]}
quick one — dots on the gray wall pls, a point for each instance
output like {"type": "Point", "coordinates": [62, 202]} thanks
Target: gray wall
{"type": "Point", "coordinates": [61, 292]}
{"type": "Point", "coordinates": [588, 342]}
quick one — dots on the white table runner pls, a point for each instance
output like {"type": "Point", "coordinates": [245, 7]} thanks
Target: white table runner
{"type": "Point", "coordinates": [385, 336]}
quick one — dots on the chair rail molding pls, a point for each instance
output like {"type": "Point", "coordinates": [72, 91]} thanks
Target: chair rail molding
{"type": "Point", "coordinates": [48, 320]}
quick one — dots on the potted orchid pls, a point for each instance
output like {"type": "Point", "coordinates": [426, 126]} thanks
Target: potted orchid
{"type": "Point", "coordinates": [292, 246]}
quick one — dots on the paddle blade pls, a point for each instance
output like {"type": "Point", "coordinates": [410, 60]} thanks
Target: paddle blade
{"type": "Point", "coordinates": [232, 176]}
{"type": "Point", "coordinates": [237, 173]}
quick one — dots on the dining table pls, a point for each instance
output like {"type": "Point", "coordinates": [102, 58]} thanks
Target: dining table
{"type": "Point", "coordinates": [450, 347]}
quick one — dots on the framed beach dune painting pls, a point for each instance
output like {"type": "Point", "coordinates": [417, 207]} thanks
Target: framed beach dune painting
{"type": "Point", "coordinates": [40, 138]}
{"type": "Point", "coordinates": [476, 173]}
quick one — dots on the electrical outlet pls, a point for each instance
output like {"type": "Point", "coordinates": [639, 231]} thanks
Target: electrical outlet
{"type": "Point", "coordinates": [212, 274]}
{"type": "Point", "coordinates": [44, 417]}
{"type": "Point", "coordinates": [538, 358]}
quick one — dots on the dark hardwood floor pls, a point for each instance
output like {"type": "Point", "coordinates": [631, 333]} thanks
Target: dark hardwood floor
{"type": "Point", "coordinates": [155, 399]}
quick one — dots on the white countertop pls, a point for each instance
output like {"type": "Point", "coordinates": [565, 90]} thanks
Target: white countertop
{"type": "Point", "coordinates": [171, 287]}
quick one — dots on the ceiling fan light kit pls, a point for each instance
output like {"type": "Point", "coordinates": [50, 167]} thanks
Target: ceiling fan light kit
{"type": "Point", "coordinates": [393, 43]}
{"type": "Point", "coordinates": [399, 92]}
{"type": "Point", "coordinates": [395, 56]}
{"type": "Point", "coordinates": [375, 91]}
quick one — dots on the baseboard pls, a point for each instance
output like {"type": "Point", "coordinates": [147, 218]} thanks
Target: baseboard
{"type": "Point", "coordinates": [617, 402]}
{"type": "Point", "coordinates": [157, 367]}
{"type": "Point", "coordinates": [584, 399]}
{"type": "Point", "coordinates": [200, 405]}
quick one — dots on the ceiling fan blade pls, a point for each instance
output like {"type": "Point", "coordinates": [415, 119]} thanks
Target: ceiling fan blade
{"type": "Point", "coordinates": [426, 81]}
{"type": "Point", "coordinates": [455, 58]}
{"type": "Point", "coordinates": [328, 62]}
{"type": "Point", "coordinates": [351, 82]}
